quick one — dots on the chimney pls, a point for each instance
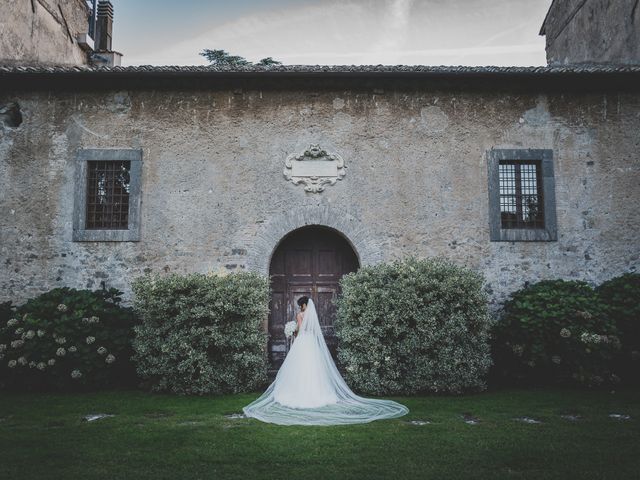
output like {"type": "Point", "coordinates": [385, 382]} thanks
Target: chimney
{"type": "Point", "coordinates": [104, 55]}
{"type": "Point", "coordinates": [104, 26]}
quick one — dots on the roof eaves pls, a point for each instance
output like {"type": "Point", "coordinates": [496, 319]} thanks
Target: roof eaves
{"type": "Point", "coordinates": [150, 70]}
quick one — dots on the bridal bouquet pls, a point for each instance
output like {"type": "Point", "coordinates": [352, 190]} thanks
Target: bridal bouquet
{"type": "Point", "coordinates": [290, 328]}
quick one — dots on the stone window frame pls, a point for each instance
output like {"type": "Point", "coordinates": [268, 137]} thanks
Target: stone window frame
{"type": "Point", "coordinates": [85, 155]}
{"type": "Point", "coordinates": [550, 231]}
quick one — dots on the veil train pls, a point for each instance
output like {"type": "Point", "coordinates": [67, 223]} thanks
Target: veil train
{"type": "Point", "coordinates": [309, 390]}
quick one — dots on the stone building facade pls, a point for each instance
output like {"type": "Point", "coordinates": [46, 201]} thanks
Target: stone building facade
{"type": "Point", "coordinates": [592, 32]}
{"type": "Point", "coordinates": [211, 191]}
{"type": "Point", "coordinates": [55, 33]}
{"type": "Point", "coordinates": [37, 32]}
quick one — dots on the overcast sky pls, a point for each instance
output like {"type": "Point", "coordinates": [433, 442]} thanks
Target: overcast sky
{"type": "Point", "coordinates": [346, 32]}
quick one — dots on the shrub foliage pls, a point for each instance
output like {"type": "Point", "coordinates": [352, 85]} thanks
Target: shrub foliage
{"type": "Point", "coordinates": [556, 331]}
{"type": "Point", "coordinates": [201, 333]}
{"type": "Point", "coordinates": [413, 326]}
{"type": "Point", "coordinates": [621, 295]}
{"type": "Point", "coordinates": [67, 339]}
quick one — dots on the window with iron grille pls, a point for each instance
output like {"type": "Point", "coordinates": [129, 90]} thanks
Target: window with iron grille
{"type": "Point", "coordinates": [107, 199]}
{"type": "Point", "coordinates": [521, 195]}
{"type": "Point", "coordinates": [521, 204]}
{"type": "Point", "coordinates": [108, 195]}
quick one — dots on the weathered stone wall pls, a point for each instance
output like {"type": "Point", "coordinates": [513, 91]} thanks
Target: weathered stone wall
{"type": "Point", "coordinates": [600, 31]}
{"type": "Point", "coordinates": [214, 197]}
{"type": "Point", "coordinates": [34, 32]}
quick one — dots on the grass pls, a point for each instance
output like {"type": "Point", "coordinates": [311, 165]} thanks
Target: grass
{"type": "Point", "coordinates": [156, 436]}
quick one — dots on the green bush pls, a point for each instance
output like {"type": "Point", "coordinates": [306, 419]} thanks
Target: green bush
{"type": "Point", "coordinates": [67, 339]}
{"type": "Point", "coordinates": [622, 297]}
{"type": "Point", "coordinates": [201, 333]}
{"type": "Point", "coordinates": [413, 326]}
{"type": "Point", "coordinates": [556, 331]}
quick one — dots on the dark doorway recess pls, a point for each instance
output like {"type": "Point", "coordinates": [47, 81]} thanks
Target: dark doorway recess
{"type": "Point", "coordinates": [308, 261]}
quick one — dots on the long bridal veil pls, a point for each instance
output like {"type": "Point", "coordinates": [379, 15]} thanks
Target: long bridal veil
{"type": "Point", "coordinates": [309, 390]}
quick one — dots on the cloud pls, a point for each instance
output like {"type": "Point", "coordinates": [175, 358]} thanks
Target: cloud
{"type": "Point", "coordinates": [371, 32]}
{"type": "Point", "coordinates": [395, 33]}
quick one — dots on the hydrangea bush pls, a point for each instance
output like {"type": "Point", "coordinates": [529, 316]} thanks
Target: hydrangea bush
{"type": "Point", "coordinates": [556, 331]}
{"type": "Point", "coordinates": [416, 325]}
{"type": "Point", "coordinates": [67, 339]}
{"type": "Point", "coordinates": [621, 295]}
{"type": "Point", "coordinates": [201, 333]}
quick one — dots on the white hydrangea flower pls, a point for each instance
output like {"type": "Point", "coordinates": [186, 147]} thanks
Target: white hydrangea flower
{"type": "Point", "coordinates": [62, 307]}
{"type": "Point", "coordinates": [3, 347]}
{"type": "Point", "coordinates": [19, 330]}
{"type": "Point", "coordinates": [591, 338]}
{"type": "Point", "coordinates": [61, 340]}
{"type": "Point", "coordinates": [32, 364]}
{"type": "Point", "coordinates": [565, 333]}
{"type": "Point", "coordinates": [17, 343]}
{"type": "Point", "coordinates": [12, 364]}
{"type": "Point", "coordinates": [41, 333]}
{"type": "Point", "coordinates": [30, 334]}
{"type": "Point", "coordinates": [51, 362]}
{"type": "Point", "coordinates": [102, 350]}
{"type": "Point", "coordinates": [22, 361]}
{"type": "Point", "coordinates": [85, 320]}
{"type": "Point", "coordinates": [72, 349]}
{"type": "Point", "coordinates": [110, 358]}
{"type": "Point", "coordinates": [90, 340]}
{"type": "Point", "coordinates": [61, 352]}
{"type": "Point", "coordinates": [12, 322]}
{"type": "Point", "coordinates": [75, 374]}
{"type": "Point", "coordinates": [41, 366]}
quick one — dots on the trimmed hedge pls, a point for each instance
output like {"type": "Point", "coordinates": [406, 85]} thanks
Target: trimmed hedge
{"type": "Point", "coordinates": [200, 333]}
{"type": "Point", "coordinates": [413, 326]}
{"type": "Point", "coordinates": [67, 339]}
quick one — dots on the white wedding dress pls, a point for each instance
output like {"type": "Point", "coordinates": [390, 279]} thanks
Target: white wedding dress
{"type": "Point", "coordinates": [309, 390]}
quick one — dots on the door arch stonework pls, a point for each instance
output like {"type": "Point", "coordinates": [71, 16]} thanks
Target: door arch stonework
{"type": "Point", "coordinates": [267, 239]}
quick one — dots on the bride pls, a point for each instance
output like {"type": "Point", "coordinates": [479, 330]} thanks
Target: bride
{"type": "Point", "coordinates": [309, 390]}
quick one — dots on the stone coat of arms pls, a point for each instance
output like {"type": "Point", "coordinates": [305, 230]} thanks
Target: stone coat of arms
{"type": "Point", "coordinates": [314, 168]}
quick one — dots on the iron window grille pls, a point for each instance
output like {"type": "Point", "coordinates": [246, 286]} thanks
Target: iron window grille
{"type": "Point", "coordinates": [521, 196]}
{"type": "Point", "coordinates": [108, 194]}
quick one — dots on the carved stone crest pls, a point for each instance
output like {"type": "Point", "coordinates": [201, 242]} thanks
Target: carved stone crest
{"type": "Point", "coordinates": [314, 168]}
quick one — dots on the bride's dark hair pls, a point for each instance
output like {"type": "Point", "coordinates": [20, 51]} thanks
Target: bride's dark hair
{"type": "Point", "coordinates": [303, 301]}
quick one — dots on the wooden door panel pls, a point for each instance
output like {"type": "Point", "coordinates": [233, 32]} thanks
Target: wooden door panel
{"type": "Point", "coordinates": [299, 263]}
{"type": "Point", "coordinates": [295, 292]}
{"type": "Point", "coordinates": [325, 298]}
{"type": "Point", "coordinates": [328, 263]}
{"type": "Point", "coordinates": [278, 311]}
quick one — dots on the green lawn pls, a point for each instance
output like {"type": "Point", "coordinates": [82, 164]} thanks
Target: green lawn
{"type": "Point", "coordinates": [171, 437]}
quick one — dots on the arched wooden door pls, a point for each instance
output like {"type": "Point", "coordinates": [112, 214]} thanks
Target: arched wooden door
{"type": "Point", "coordinates": [309, 261]}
